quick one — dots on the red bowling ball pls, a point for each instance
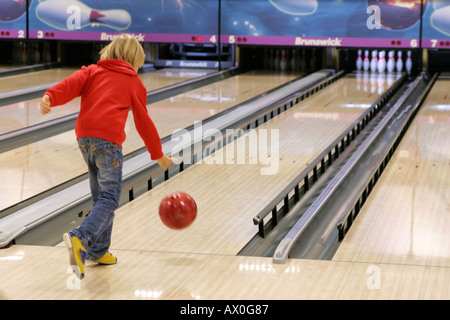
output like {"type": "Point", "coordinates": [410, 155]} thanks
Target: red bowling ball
{"type": "Point", "coordinates": [177, 210]}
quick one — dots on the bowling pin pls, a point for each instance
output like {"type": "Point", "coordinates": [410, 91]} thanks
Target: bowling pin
{"type": "Point", "coordinates": [390, 80]}
{"type": "Point", "coordinates": [276, 62]}
{"type": "Point", "coordinates": [374, 61]}
{"type": "Point", "coordinates": [381, 61]}
{"type": "Point", "coordinates": [399, 63]}
{"type": "Point", "coordinates": [37, 54]}
{"type": "Point", "coordinates": [391, 62]}
{"type": "Point", "coordinates": [408, 63]}
{"type": "Point", "coordinates": [359, 61]}
{"type": "Point", "coordinates": [373, 82]}
{"type": "Point", "coordinates": [358, 80]}
{"type": "Point", "coordinates": [283, 62]}
{"type": "Point", "coordinates": [293, 60]}
{"type": "Point", "coordinates": [303, 61]}
{"type": "Point", "coordinates": [366, 63]}
{"type": "Point", "coordinates": [24, 56]}
{"type": "Point", "coordinates": [47, 53]}
{"type": "Point", "coordinates": [73, 14]}
{"type": "Point", "coordinates": [365, 81]}
{"type": "Point", "coordinates": [381, 78]}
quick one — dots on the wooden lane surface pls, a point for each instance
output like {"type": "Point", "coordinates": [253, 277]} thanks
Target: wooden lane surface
{"type": "Point", "coordinates": [29, 79]}
{"type": "Point", "coordinates": [149, 268]}
{"type": "Point", "coordinates": [152, 80]}
{"type": "Point", "coordinates": [34, 168]}
{"type": "Point", "coordinates": [156, 275]}
{"type": "Point", "coordinates": [26, 113]}
{"type": "Point", "coordinates": [229, 194]}
{"type": "Point", "coordinates": [10, 66]}
{"type": "Point", "coordinates": [406, 218]}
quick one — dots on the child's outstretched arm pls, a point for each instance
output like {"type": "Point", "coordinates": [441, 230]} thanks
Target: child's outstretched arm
{"type": "Point", "coordinates": [64, 91]}
{"type": "Point", "coordinates": [45, 104]}
{"type": "Point", "coordinates": [164, 162]}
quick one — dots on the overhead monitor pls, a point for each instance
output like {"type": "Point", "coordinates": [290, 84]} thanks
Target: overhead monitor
{"type": "Point", "coordinates": [333, 23]}
{"type": "Point", "coordinates": [436, 25]}
{"type": "Point", "coordinates": [101, 20]}
{"type": "Point", "coordinates": [13, 19]}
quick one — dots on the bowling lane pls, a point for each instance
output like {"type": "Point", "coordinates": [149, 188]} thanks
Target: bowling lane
{"type": "Point", "coordinates": [29, 79]}
{"type": "Point", "coordinates": [4, 67]}
{"type": "Point", "coordinates": [37, 167]}
{"type": "Point", "coordinates": [156, 275]}
{"type": "Point", "coordinates": [406, 218]}
{"type": "Point", "coordinates": [230, 193]}
{"type": "Point", "coordinates": [26, 113]}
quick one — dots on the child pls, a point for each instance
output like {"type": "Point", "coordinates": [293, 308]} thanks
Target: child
{"type": "Point", "coordinates": [108, 90]}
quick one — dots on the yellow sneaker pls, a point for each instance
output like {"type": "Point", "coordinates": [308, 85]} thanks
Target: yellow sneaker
{"type": "Point", "coordinates": [77, 254]}
{"type": "Point", "coordinates": [108, 258]}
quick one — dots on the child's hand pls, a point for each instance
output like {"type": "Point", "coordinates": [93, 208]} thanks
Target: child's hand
{"type": "Point", "coordinates": [164, 161]}
{"type": "Point", "coordinates": [45, 104]}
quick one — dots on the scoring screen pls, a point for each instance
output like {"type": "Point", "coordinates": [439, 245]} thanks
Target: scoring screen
{"type": "Point", "coordinates": [150, 21]}
{"type": "Point", "coordinates": [340, 23]}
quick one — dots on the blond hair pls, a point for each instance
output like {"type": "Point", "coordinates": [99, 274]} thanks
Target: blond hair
{"type": "Point", "coordinates": [125, 47]}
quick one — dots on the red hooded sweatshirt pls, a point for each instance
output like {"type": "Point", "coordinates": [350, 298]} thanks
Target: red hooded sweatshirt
{"type": "Point", "coordinates": [108, 90]}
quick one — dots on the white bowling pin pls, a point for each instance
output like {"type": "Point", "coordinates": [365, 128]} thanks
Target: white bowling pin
{"type": "Point", "coordinates": [294, 60]}
{"type": "Point", "coordinates": [24, 54]}
{"type": "Point", "coordinates": [391, 63]}
{"type": "Point", "coordinates": [365, 81]}
{"type": "Point", "coordinates": [73, 14]}
{"type": "Point", "coordinates": [408, 63]}
{"type": "Point", "coordinates": [37, 54]}
{"type": "Point", "coordinates": [399, 63]}
{"type": "Point", "coordinates": [276, 62]}
{"type": "Point", "coordinates": [381, 78]}
{"type": "Point", "coordinates": [373, 82]}
{"type": "Point", "coordinates": [374, 61]}
{"type": "Point", "coordinates": [359, 61]}
{"type": "Point", "coordinates": [303, 61]}
{"type": "Point", "coordinates": [47, 53]}
{"type": "Point", "coordinates": [283, 62]}
{"type": "Point", "coordinates": [389, 80]}
{"type": "Point", "coordinates": [358, 80]}
{"type": "Point", "coordinates": [366, 63]}
{"type": "Point", "coordinates": [381, 61]}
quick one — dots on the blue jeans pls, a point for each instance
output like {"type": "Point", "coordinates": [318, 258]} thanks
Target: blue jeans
{"type": "Point", "coordinates": [104, 160]}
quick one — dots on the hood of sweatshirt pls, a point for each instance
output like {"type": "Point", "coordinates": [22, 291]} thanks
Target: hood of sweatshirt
{"type": "Point", "coordinates": [117, 65]}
